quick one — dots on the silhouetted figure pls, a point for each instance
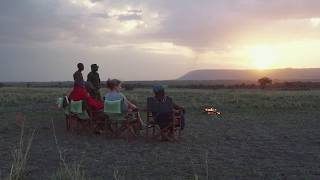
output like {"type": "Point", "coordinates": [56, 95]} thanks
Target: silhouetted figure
{"type": "Point", "coordinates": [77, 76]}
{"type": "Point", "coordinates": [94, 83]}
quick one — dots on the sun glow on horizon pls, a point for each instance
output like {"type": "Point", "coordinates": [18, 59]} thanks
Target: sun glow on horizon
{"type": "Point", "coordinates": [263, 57]}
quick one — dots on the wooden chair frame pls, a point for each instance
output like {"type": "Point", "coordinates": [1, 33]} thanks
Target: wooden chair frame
{"type": "Point", "coordinates": [174, 126]}
{"type": "Point", "coordinates": [119, 126]}
{"type": "Point", "coordinates": [73, 118]}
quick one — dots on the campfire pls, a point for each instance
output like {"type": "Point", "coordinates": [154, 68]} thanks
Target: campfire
{"type": "Point", "coordinates": [212, 111]}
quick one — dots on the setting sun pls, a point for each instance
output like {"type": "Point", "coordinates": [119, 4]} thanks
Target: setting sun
{"type": "Point", "coordinates": [263, 57]}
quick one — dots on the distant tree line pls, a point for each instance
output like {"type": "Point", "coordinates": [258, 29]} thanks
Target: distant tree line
{"type": "Point", "coordinates": [263, 83]}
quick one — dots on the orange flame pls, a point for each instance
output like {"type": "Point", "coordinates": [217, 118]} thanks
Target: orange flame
{"type": "Point", "coordinates": [212, 111]}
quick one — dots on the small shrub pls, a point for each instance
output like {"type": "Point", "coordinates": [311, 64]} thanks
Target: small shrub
{"type": "Point", "coordinates": [20, 157]}
{"type": "Point", "coordinates": [264, 82]}
{"type": "Point", "coordinates": [66, 171]}
{"type": "Point", "coordinates": [72, 172]}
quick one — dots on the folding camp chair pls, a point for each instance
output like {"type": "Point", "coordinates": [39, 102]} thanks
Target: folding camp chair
{"type": "Point", "coordinates": [63, 103]}
{"type": "Point", "coordinates": [121, 121]}
{"type": "Point", "coordinates": [79, 117]}
{"type": "Point", "coordinates": [154, 108]}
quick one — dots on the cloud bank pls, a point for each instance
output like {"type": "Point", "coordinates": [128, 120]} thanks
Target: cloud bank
{"type": "Point", "coordinates": [154, 39]}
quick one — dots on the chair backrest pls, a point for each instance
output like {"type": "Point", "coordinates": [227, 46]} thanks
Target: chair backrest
{"type": "Point", "coordinates": [155, 106]}
{"type": "Point", "coordinates": [60, 102]}
{"type": "Point", "coordinates": [156, 109]}
{"type": "Point", "coordinates": [113, 107]}
{"type": "Point", "coordinates": [76, 107]}
{"type": "Point", "coordinates": [63, 103]}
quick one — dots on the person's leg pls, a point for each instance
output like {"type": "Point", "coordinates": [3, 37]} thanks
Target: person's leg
{"type": "Point", "coordinates": [99, 121]}
{"type": "Point", "coordinates": [98, 95]}
{"type": "Point", "coordinates": [135, 121]}
{"type": "Point", "coordinates": [165, 124]}
{"type": "Point", "coordinates": [183, 119]}
{"type": "Point", "coordinates": [95, 94]}
{"type": "Point", "coordinates": [164, 136]}
{"type": "Point", "coordinates": [138, 118]}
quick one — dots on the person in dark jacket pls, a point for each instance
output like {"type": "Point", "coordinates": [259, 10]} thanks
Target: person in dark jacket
{"type": "Point", "coordinates": [94, 83]}
{"type": "Point", "coordinates": [162, 107]}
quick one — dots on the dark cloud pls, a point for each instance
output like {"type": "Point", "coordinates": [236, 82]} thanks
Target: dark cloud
{"type": "Point", "coordinates": [199, 24]}
{"type": "Point", "coordinates": [40, 32]}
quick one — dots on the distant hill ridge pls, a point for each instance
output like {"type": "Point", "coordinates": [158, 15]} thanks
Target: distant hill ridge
{"type": "Point", "coordinates": [310, 74]}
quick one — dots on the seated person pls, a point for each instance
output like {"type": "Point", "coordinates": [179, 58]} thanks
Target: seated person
{"type": "Point", "coordinates": [79, 92]}
{"type": "Point", "coordinates": [161, 107]}
{"type": "Point", "coordinates": [114, 94]}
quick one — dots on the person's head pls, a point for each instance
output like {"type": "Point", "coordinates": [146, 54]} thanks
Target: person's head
{"type": "Point", "coordinates": [94, 67]}
{"type": "Point", "coordinates": [80, 66]}
{"type": "Point", "coordinates": [159, 91]}
{"type": "Point", "coordinates": [114, 84]}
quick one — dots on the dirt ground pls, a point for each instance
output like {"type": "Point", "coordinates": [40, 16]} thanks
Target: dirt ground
{"type": "Point", "coordinates": [261, 135]}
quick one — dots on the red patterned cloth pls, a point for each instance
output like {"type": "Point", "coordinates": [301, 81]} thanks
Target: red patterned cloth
{"type": "Point", "coordinates": [80, 93]}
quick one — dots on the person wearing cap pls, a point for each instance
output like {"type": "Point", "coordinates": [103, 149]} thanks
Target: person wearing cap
{"type": "Point", "coordinates": [93, 82]}
{"type": "Point", "coordinates": [163, 116]}
{"type": "Point", "coordinates": [77, 76]}
{"type": "Point", "coordinates": [160, 95]}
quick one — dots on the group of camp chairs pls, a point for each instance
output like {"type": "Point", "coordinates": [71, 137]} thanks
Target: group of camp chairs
{"type": "Point", "coordinates": [80, 118]}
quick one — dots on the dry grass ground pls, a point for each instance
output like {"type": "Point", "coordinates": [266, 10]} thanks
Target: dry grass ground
{"type": "Point", "coordinates": [261, 135]}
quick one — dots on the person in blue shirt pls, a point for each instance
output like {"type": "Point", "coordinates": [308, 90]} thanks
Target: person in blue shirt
{"type": "Point", "coordinates": [115, 94]}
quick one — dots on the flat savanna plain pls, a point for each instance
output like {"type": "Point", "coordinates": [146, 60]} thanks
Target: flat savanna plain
{"type": "Point", "coordinates": [261, 135]}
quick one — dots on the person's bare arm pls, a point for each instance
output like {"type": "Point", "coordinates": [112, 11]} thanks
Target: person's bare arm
{"type": "Point", "coordinates": [130, 104]}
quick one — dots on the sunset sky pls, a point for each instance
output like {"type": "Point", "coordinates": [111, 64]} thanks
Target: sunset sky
{"type": "Point", "coordinates": [43, 40]}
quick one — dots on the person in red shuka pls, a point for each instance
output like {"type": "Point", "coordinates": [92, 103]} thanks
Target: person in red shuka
{"type": "Point", "coordinates": [79, 91]}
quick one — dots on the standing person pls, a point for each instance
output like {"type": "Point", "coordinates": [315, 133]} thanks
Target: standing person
{"type": "Point", "coordinates": [94, 83]}
{"type": "Point", "coordinates": [79, 91]}
{"type": "Point", "coordinates": [77, 76]}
